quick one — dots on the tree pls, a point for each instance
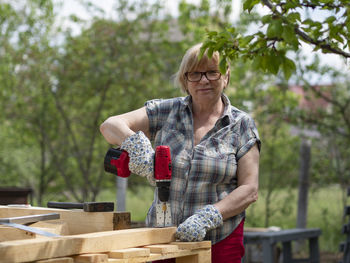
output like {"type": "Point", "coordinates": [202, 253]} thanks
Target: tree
{"type": "Point", "coordinates": [287, 25]}
{"type": "Point", "coordinates": [25, 55]}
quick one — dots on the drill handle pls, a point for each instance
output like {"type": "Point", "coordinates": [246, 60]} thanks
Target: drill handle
{"type": "Point", "coordinates": [162, 163]}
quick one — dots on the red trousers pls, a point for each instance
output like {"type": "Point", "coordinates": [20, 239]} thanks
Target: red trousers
{"type": "Point", "coordinates": [229, 250]}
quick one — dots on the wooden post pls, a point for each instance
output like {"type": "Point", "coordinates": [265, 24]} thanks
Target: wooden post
{"type": "Point", "coordinates": [305, 157]}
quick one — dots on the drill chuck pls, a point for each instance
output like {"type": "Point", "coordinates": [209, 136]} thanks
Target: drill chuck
{"type": "Point", "coordinates": [163, 190]}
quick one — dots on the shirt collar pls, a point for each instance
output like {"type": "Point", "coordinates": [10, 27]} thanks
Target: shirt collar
{"type": "Point", "coordinates": [187, 102]}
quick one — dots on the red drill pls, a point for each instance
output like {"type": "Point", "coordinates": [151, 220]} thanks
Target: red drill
{"type": "Point", "coordinates": [117, 162]}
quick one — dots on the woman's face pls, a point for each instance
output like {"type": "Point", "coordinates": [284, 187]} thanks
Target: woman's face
{"type": "Point", "coordinates": [205, 89]}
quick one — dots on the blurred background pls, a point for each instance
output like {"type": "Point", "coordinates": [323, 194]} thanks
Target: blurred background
{"type": "Point", "coordinates": [65, 66]}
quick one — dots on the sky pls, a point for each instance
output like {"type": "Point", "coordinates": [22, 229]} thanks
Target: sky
{"type": "Point", "coordinates": [74, 7]}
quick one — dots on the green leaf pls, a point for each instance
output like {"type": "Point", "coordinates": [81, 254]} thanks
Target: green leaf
{"type": "Point", "coordinates": [223, 65]}
{"type": "Point", "coordinates": [275, 28]}
{"type": "Point", "coordinates": [290, 37]}
{"type": "Point", "coordinates": [243, 42]}
{"type": "Point", "coordinates": [257, 62]}
{"type": "Point", "coordinates": [273, 63]}
{"type": "Point", "coordinates": [266, 19]}
{"type": "Point", "coordinates": [288, 67]}
{"type": "Point", "coordinates": [210, 52]}
{"type": "Point", "coordinates": [249, 4]}
{"type": "Point", "coordinates": [293, 17]}
{"type": "Point", "coordinates": [330, 19]}
{"type": "Point", "coordinates": [203, 49]}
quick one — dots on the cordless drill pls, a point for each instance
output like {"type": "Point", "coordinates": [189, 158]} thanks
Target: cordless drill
{"type": "Point", "coordinates": [117, 162]}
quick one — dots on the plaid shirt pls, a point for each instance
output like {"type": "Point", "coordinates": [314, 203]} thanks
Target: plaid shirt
{"type": "Point", "coordinates": [204, 173]}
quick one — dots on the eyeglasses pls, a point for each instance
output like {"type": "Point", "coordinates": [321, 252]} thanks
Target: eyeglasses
{"type": "Point", "coordinates": [197, 76]}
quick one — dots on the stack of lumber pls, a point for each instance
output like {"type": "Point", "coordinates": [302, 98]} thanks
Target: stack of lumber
{"type": "Point", "coordinates": [82, 240]}
{"type": "Point", "coordinates": [183, 252]}
{"type": "Point", "coordinates": [128, 245]}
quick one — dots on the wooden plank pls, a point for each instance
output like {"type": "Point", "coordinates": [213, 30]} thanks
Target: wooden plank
{"type": "Point", "coordinates": [79, 222]}
{"type": "Point", "coordinates": [129, 253]}
{"type": "Point", "coordinates": [186, 255]}
{"type": "Point", "coordinates": [91, 258]}
{"type": "Point", "coordinates": [11, 233]}
{"type": "Point", "coordinates": [203, 256]}
{"type": "Point", "coordinates": [45, 248]}
{"type": "Point", "coordinates": [163, 249]}
{"type": "Point", "coordinates": [59, 228]}
{"type": "Point", "coordinates": [192, 245]}
{"type": "Point", "coordinates": [56, 260]}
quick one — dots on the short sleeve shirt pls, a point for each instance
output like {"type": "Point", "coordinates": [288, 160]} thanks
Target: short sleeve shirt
{"type": "Point", "coordinates": [205, 173]}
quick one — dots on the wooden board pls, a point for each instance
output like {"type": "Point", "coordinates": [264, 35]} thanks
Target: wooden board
{"type": "Point", "coordinates": [59, 228]}
{"type": "Point", "coordinates": [91, 258]}
{"type": "Point", "coordinates": [129, 253]}
{"type": "Point", "coordinates": [183, 252]}
{"type": "Point", "coordinates": [192, 245]}
{"type": "Point", "coordinates": [10, 233]}
{"type": "Point", "coordinates": [182, 256]}
{"type": "Point", "coordinates": [45, 248]}
{"type": "Point", "coordinates": [56, 260]}
{"type": "Point", "coordinates": [163, 249]}
{"type": "Point", "coordinates": [79, 222]}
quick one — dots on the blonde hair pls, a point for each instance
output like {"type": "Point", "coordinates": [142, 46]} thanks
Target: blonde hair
{"type": "Point", "coordinates": [191, 61]}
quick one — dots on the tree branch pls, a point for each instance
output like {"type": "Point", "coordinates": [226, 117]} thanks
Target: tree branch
{"type": "Point", "coordinates": [305, 37]}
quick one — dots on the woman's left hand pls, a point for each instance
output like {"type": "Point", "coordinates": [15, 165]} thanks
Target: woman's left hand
{"type": "Point", "coordinates": [195, 227]}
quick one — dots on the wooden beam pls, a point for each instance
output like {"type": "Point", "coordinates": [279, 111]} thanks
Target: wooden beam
{"type": "Point", "coordinates": [201, 257]}
{"type": "Point", "coordinates": [10, 233]}
{"type": "Point", "coordinates": [182, 256]}
{"type": "Point", "coordinates": [45, 248]}
{"type": "Point", "coordinates": [192, 245]}
{"type": "Point", "coordinates": [59, 228]}
{"type": "Point", "coordinates": [129, 253]}
{"type": "Point", "coordinates": [56, 260]}
{"type": "Point", "coordinates": [162, 249]}
{"type": "Point", "coordinates": [79, 222]}
{"type": "Point", "coordinates": [91, 258]}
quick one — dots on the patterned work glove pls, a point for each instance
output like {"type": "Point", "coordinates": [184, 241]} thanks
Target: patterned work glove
{"type": "Point", "coordinates": [141, 155]}
{"type": "Point", "coordinates": [196, 226]}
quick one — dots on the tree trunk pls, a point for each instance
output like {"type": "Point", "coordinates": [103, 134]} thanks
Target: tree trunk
{"type": "Point", "coordinates": [122, 185]}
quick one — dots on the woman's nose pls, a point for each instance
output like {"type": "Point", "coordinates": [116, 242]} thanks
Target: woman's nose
{"type": "Point", "coordinates": [204, 79]}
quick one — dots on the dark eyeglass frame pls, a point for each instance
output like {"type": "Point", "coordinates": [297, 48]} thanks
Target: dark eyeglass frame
{"type": "Point", "coordinates": [203, 73]}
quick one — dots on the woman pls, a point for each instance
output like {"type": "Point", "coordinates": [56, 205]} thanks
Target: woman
{"type": "Point", "coordinates": [215, 155]}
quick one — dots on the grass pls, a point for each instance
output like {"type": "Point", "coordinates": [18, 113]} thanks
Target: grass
{"type": "Point", "coordinates": [325, 211]}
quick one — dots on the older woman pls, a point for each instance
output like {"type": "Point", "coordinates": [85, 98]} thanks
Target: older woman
{"type": "Point", "coordinates": [215, 155]}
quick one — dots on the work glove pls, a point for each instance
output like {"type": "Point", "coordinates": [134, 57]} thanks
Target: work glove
{"type": "Point", "coordinates": [196, 226]}
{"type": "Point", "coordinates": [141, 155]}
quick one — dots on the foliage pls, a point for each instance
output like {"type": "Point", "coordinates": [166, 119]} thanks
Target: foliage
{"type": "Point", "coordinates": [58, 86]}
{"type": "Point", "coordinates": [324, 25]}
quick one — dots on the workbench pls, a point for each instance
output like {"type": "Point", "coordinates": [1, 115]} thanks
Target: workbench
{"type": "Point", "coordinates": [269, 239]}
